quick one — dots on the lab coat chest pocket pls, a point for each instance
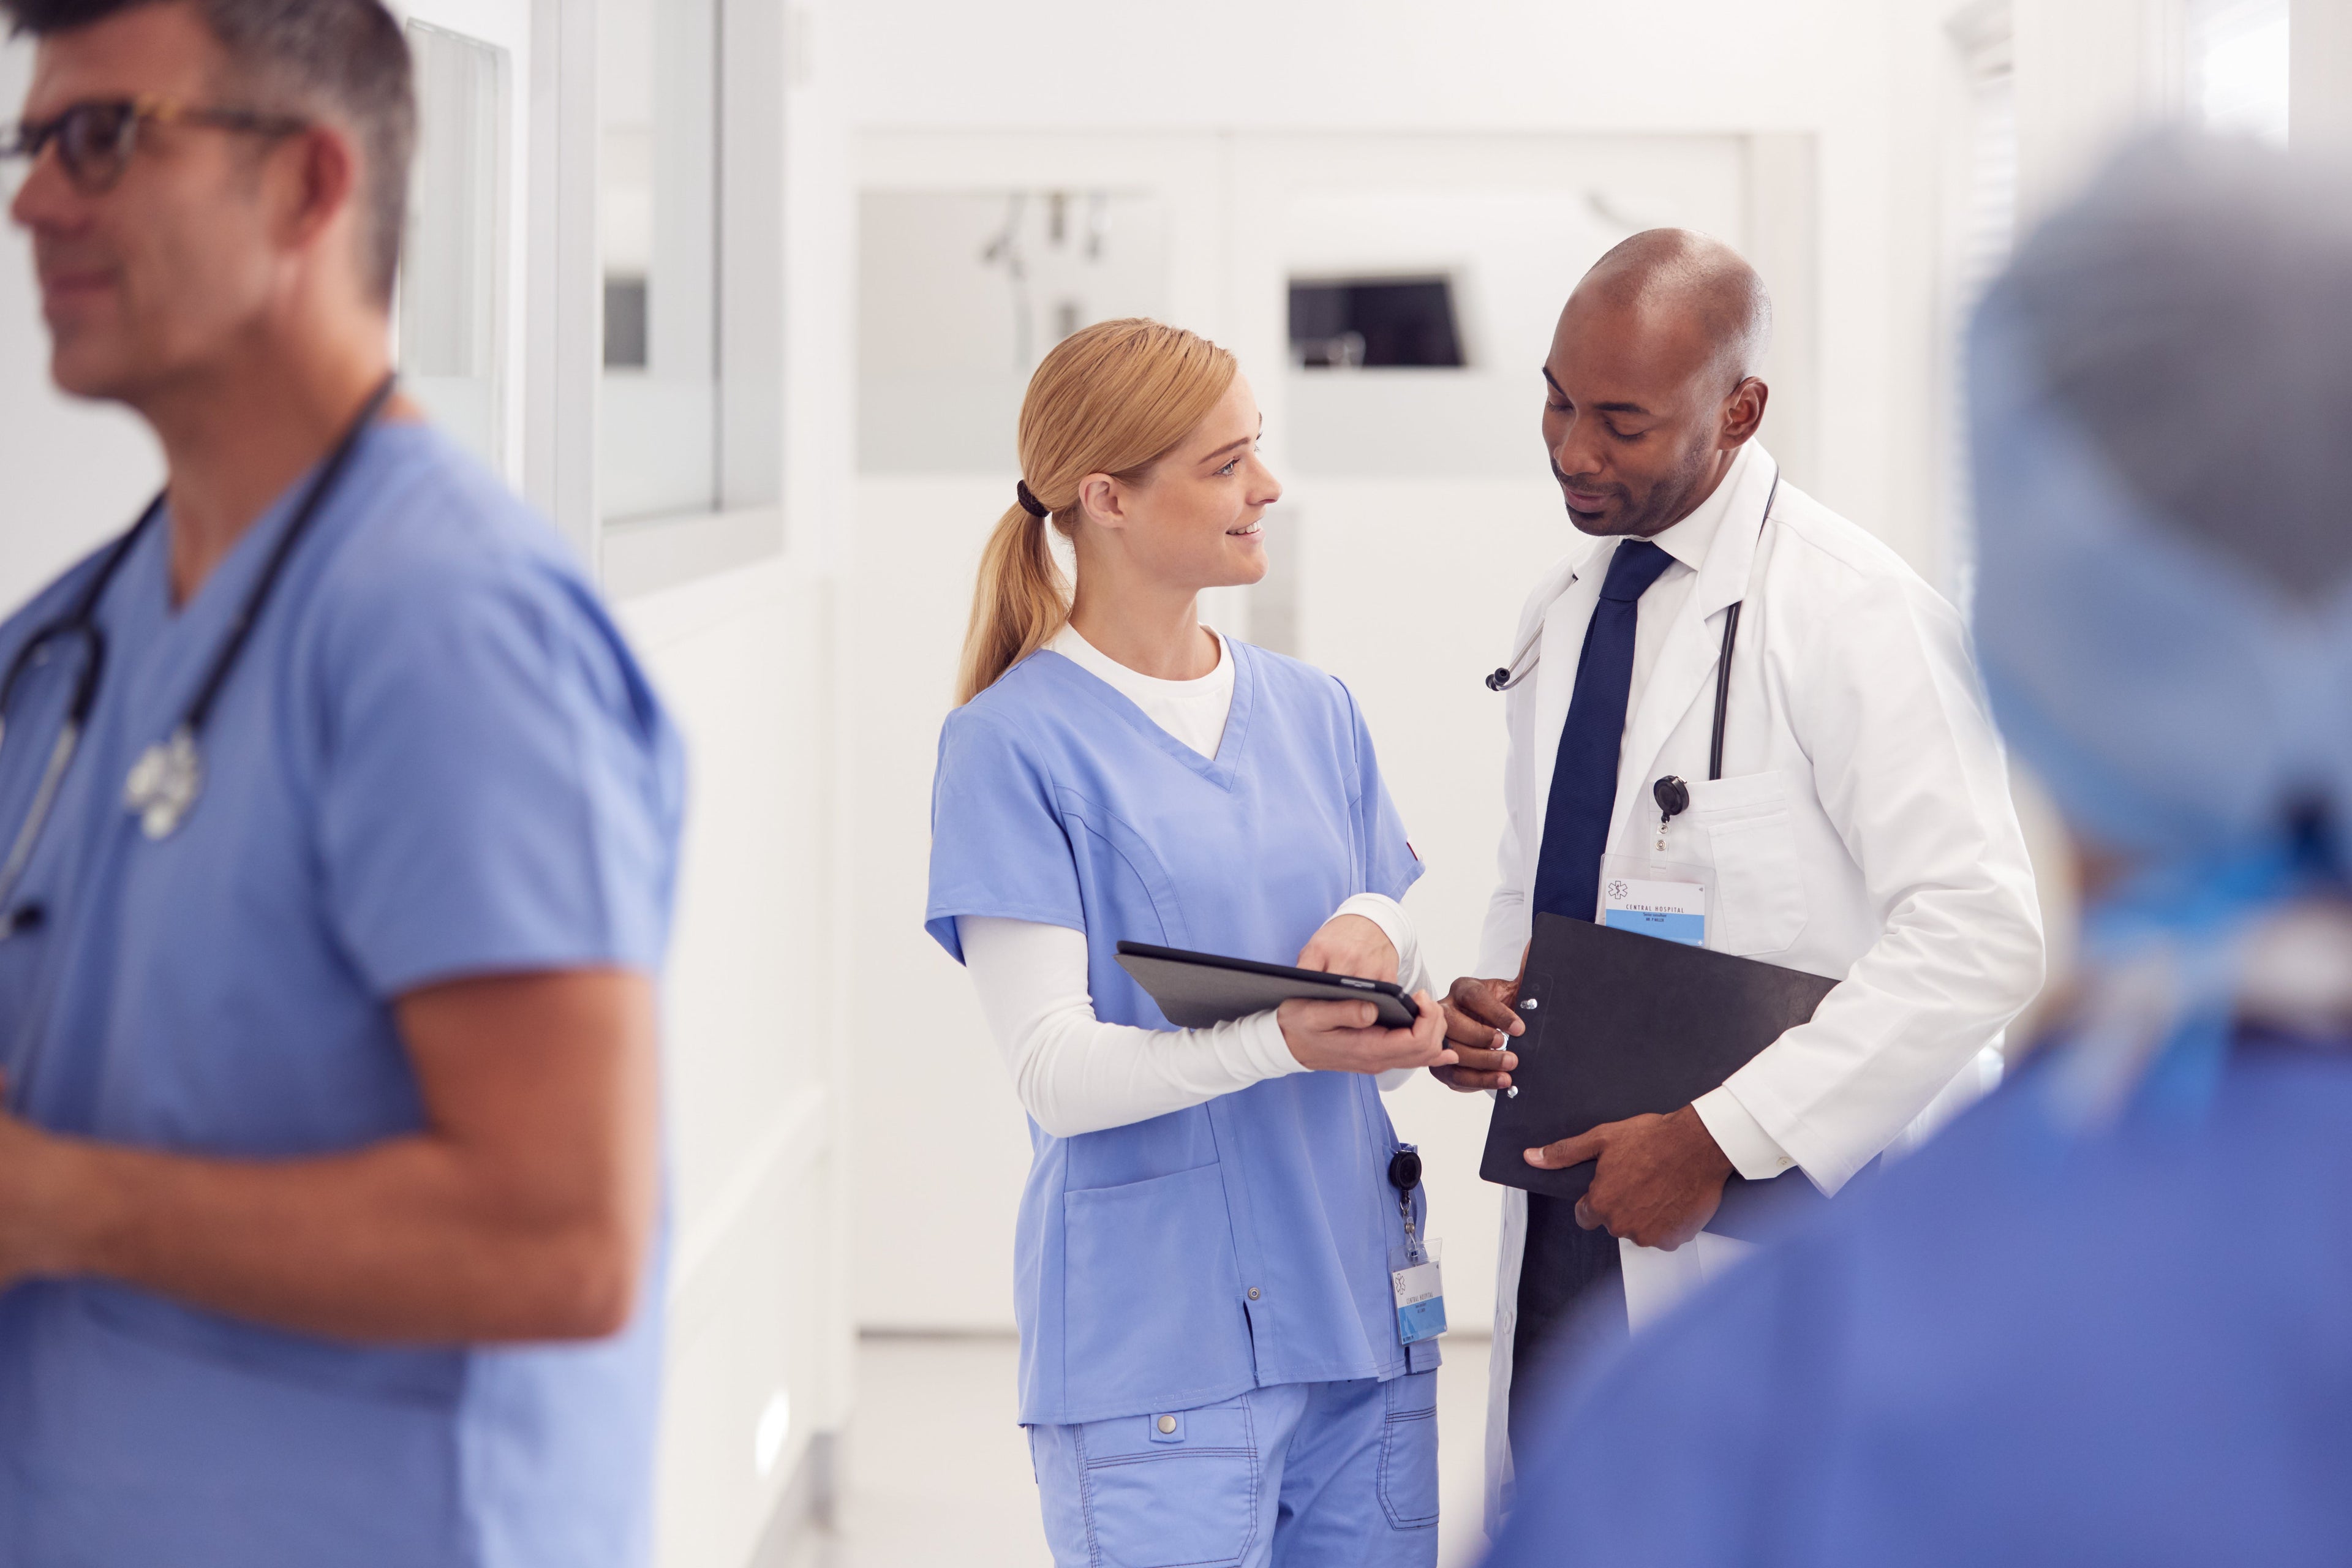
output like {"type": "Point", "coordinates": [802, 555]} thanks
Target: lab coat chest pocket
{"type": "Point", "coordinates": [1759, 887]}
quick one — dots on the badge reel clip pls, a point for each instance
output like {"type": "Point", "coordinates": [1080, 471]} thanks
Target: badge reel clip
{"type": "Point", "coordinates": [1419, 1283]}
{"type": "Point", "coordinates": [1652, 896]}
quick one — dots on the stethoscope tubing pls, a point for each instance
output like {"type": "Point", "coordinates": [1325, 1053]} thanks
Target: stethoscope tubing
{"type": "Point", "coordinates": [80, 624]}
{"type": "Point", "coordinates": [1523, 662]}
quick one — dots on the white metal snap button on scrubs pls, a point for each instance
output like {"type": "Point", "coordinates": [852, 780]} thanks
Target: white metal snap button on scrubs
{"type": "Point", "coordinates": [1168, 1423]}
{"type": "Point", "coordinates": [1253, 1293]}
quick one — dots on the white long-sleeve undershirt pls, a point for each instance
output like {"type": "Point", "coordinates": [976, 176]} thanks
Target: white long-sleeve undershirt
{"type": "Point", "coordinates": [1074, 1073]}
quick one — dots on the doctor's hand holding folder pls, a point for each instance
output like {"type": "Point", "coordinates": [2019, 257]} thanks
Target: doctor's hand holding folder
{"type": "Point", "coordinates": [1625, 1032]}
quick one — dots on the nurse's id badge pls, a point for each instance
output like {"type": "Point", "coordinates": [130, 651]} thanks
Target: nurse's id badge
{"type": "Point", "coordinates": [1412, 1267]}
{"type": "Point", "coordinates": [1419, 1298]}
{"type": "Point", "coordinates": [1654, 900]}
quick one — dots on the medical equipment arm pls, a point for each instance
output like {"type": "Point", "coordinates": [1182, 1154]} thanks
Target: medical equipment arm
{"type": "Point", "coordinates": [522, 1211]}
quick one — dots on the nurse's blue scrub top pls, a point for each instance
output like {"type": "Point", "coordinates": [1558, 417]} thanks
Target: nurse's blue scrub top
{"type": "Point", "coordinates": [1245, 1242]}
{"type": "Point", "coordinates": [435, 758]}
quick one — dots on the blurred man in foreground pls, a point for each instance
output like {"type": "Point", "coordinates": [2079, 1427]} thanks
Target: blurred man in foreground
{"type": "Point", "coordinates": [2102, 1320]}
{"type": "Point", "coordinates": [327, 954]}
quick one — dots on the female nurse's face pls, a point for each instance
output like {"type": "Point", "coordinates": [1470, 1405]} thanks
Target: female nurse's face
{"type": "Point", "coordinates": [1195, 521]}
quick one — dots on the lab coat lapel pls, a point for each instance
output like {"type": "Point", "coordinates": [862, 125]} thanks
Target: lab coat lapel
{"type": "Point", "coordinates": [1564, 624]}
{"type": "Point", "coordinates": [1685, 666]}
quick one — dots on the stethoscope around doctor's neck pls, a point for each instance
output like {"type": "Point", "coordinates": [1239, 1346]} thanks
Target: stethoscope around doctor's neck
{"type": "Point", "coordinates": [1672, 794]}
{"type": "Point", "coordinates": [169, 776]}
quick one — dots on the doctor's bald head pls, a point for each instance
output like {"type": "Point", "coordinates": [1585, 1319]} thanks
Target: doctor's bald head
{"type": "Point", "coordinates": [1652, 383]}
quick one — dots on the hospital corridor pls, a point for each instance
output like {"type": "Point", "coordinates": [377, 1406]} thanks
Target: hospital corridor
{"type": "Point", "coordinates": [875, 784]}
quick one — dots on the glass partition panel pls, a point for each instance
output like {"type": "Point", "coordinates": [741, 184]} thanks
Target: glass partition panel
{"type": "Point", "coordinates": [658, 102]}
{"type": "Point", "coordinates": [452, 305]}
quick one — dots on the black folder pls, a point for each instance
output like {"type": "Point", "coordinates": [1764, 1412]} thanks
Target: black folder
{"type": "Point", "coordinates": [1195, 990]}
{"type": "Point", "coordinates": [1620, 1024]}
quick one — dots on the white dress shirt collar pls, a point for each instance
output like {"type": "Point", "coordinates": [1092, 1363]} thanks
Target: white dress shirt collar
{"type": "Point", "coordinates": [1689, 540]}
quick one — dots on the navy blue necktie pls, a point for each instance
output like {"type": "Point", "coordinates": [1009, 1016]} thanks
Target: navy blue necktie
{"type": "Point", "coordinates": [1584, 778]}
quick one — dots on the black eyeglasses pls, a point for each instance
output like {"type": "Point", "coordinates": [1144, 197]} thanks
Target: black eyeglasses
{"type": "Point", "coordinates": [95, 139]}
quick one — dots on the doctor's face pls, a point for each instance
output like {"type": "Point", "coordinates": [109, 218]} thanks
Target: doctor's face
{"type": "Point", "coordinates": [153, 263]}
{"type": "Point", "coordinates": [1641, 416]}
{"type": "Point", "coordinates": [1197, 520]}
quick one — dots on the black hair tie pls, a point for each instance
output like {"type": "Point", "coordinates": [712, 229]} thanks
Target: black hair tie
{"type": "Point", "coordinates": [1029, 502]}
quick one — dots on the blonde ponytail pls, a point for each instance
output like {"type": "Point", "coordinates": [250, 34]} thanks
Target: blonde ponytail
{"type": "Point", "coordinates": [1113, 398]}
{"type": "Point", "coordinates": [1022, 600]}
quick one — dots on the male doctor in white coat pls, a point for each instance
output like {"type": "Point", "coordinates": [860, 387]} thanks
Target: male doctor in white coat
{"type": "Point", "coordinates": [1861, 829]}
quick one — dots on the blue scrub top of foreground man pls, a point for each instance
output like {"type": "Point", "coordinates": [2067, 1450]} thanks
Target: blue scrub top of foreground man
{"type": "Point", "coordinates": [435, 758]}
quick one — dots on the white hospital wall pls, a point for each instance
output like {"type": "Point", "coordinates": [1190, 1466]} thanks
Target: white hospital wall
{"type": "Point", "coordinates": [1406, 583]}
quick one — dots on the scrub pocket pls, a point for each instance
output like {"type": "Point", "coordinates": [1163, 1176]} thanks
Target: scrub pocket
{"type": "Point", "coordinates": [1186, 1498]}
{"type": "Point", "coordinates": [1759, 888]}
{"type": "Point", "coordinates": [1409, 1451]}
{"type": "Point", "coordinates": [1153, 1294]}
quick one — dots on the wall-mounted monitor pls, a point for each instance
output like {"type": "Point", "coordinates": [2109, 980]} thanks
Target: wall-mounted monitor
{"type": "Point", "coordinates": [1351, 323]}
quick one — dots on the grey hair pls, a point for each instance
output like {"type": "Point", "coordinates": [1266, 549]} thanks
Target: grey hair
{"type": "Point", "coordinates": [343, 58]}
{"type": "Point", "coordinates": [2193, 311]}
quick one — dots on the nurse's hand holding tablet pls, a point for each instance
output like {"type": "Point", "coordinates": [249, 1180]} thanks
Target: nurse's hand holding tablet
{"type": "Point", "coordinates": [1341, 1036]}
{"type": "Point", "coordinates": [1227, 1310]}
{"type": "Point", "coordinates": [1338, 1037]}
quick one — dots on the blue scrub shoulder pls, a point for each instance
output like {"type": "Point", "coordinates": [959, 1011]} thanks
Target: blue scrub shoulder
{"type": "Point", "coordinates": [1029, 718]}
{"type": "Point", "coordinates": [426, 525]}
{"type": "Point", "coordinates": [1030, 700]}
{"type": "Point", "coordinates": [436, 544]}
{"type": "Point", "coordinates": [1046, 734]}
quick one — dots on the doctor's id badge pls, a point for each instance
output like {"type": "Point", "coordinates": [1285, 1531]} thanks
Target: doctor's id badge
{"type": "Point", "coordinates": [1420, 1297]}
{"type": "Point", "coordinates": [1666, 902]}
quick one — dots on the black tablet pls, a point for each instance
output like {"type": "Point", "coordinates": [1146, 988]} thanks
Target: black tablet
{"type": "Point", "coordinates": [1197, 989]}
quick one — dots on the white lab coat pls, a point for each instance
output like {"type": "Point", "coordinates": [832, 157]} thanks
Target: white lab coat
{"type": "Point", "coordinates": [1862, 829]}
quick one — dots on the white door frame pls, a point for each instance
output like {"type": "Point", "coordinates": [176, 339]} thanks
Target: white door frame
{"type": "Point", "coordinates": [504, 24]}
{"type": "Point", "coordinates": [552, 317]}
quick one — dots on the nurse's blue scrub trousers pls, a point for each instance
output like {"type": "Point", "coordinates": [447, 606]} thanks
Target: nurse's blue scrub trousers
{"type": "Point", "coordinates": [1300, 1474]}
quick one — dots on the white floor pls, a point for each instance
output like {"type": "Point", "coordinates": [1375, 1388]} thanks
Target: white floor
{"type": "Point", "coordinates": [935, 1471]}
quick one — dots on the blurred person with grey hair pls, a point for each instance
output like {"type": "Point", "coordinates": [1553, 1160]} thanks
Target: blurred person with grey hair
{"type": "Point", "coordinates": [2103, 1318]}
{"type": "Point", "coordinates": [342, 826]}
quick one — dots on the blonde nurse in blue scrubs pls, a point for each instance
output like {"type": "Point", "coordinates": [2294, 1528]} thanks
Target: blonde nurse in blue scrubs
{"type": "Point", "coordinates": [1214, 1369]}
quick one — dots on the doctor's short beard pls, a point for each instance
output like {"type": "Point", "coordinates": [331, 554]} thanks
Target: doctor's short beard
{"type": "Point", "coordinates": [1650, 510]}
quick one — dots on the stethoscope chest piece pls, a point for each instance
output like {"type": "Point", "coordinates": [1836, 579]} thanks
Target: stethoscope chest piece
{"type": "Point", "coordinates": [164, 783]}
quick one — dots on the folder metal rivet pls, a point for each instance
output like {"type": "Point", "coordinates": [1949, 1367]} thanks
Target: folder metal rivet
{"type": "Point", "coordinates": [1529, 1005]}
